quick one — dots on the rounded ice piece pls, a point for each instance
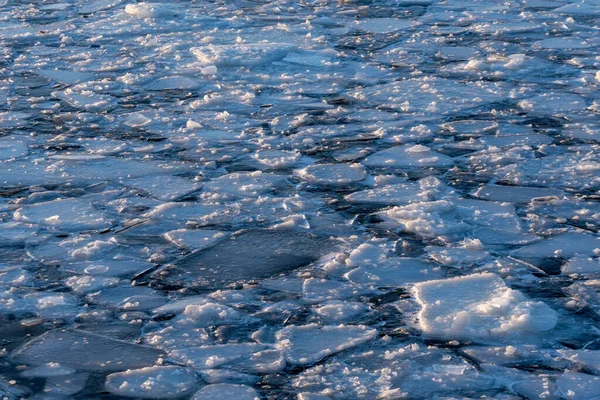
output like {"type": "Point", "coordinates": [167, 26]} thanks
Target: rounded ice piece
{"type": "Point", "coordinates": [152, 382]}
{"type": "Point", "coordinates": [223, 391]}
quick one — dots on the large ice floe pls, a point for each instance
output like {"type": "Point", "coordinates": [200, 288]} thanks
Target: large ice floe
{"type": "Point", "coordinates": [303, 200]}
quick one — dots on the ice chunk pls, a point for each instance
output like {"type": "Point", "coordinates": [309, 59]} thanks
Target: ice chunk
{"type": "Point", "coordinates": [277, 159]}
{"type": "Point", "coordinates": [399, 193]}
{"type": "Point", "coordinates": [101, 353]}
{"type": "Point", "coordinates": [250, 54]}
{"type": "Point", "coordinates": [152, 382]}
{"type": "Point", "coordinates": [264, 362]}
{"type": "Point", "coordinates": [65, 214]}
{"type": "Point", "coordinates": [173, 83]}
{"type": "Point", "coordinates": [305, 345]}
{"type": "Point", "coordinates": [86, 100]}
{"type": "Point", "coordinates": [457, 255]}
{"type": "Point", "coordinates": [308, 59]}
{"type": "Point", "coordinates": [47, 370]}
{"type": "Point", "coordinates": [381, 25]}
{"type": "Point", "coordinates": [582, 266]}
{"type": "Point", "coordinates": [164, 187]}
{"type": "Point", "coordinates": [13, 119]}
{"type": "Point", "coordinates": [194, 239]}
{"type": "Point", "coordinates": [210, 314]}
{"type": "Point", "coordinates": [317, 290]}
{"type": "Point", "coordinates": [566, 245]}
{"type": "Point", "coordinates": [115, 268]}
{"type": "Point", "coordinates": [333, 174]}
{"type": "Point", "coordinates": [408, 156]}
{"type": "Point", "coordinates": [477, 307]}
{"type": "Point", "coordinates": [213, 356]}
{"type": "Point", "coordinates": [93, 6]}
{"type": "Point", "coordinates": [514, 194]}
{"type": "Point", "coordinates": [172, 337]}
{"type": "Point", "coordinates": [66, 76]}
{"type": "Point", "coordinates": [426, 219]}
{"type": "Point", "coordinates": [589, 358]}
{"type": "Point", "coordinates": [144, 10]}
{"type": "Point", "coordinates": [578, 386]}
{"type": "Point", "coordinates": [245, 184]}
{"type": "Point", "coordinates": [222, 391]}
{"type": "Point", "coordinates": [337, 311]}
{"type": "Point", "coordinates": [66, 385]}
{"type": "Point", "coordinates": [587, 293]}
{"type": "Point", "coordinates": [250, 254]}
{"type": "Point", "coordinates": [218, 376]}
{"type": "Point", "coordinates": [12, 149]}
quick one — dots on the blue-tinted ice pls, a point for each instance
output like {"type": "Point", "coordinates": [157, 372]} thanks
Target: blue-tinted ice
{"type": "Point", "coordinates": [359, 199]}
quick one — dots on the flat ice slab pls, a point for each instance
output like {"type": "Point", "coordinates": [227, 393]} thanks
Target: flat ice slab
{"type": "Point", "coordinates": [152, 382]}
{"type": "Point", "coordinates": [305, 345]}
{"type": "Point", "coordinates": [479, 306]}
{"type": "Point", "coordinates": [250, 254]}
{"type": "Point", "coordinates": [84, 351]}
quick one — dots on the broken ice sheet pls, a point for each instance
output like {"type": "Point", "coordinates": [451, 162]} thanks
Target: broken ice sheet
{"type": "Point", "coordinates": [101, 353]}
{"type": "Point", "coordinates": [214, 356]}
{"type": "Point", "coordinates": [479, 307]}
{"type": "Point", "coordinates": [426, 189]}
{"type": "Point", "coordinates": [71, 214]}
{"type": "Point", "coordinates": [249, 254]}
{"type": "Point", "coordinates": [333, 174]}
{"type": "Point", "coordinates": [152, 382]}
{"type": "Point", "coordinates": [165, 188]}
{"type": "Point", "coordinates": [307, 344]}
{"type": "Point", "coordinates": [408, 156]}
{"type": "Point", "coordinates": [222, 391]}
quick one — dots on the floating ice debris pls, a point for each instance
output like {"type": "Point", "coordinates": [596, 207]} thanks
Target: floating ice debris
{"type": "Point", "coordinates": [399, 193]}
{"type": "Point", "coordinates": [582, 266]}
{"type": "Point", "coordinates": [244, 184]}
{"type": "Point", "coordinates": [213, 356]}
{"type": "Point", "coordinates": [10, 149]}
{"type": "Point", "coordinates": [333, 174]}
{"type": "Point", "coordinates": [337, 311]}
{"type": "Point", "coordinates": [165, 187]}
{"type": "Point", "coordinates": [307, 344]}
{"type": "Point", "coordinates": [479, 306]}
{"type": "Point", "coordinates": [218, 185]}
{"type": "Point", "coordinates": [240, 54]}
{"type": "Point", "coordinates": [86, 100]}
{"type": "Point", "coordinates": [65, 214]}
{"type": "Point", "coordinates": [408, 156]}
{"type": "Point", "coordinates": [578, 386]}
{"type": "Point", "coordinates": [194, 239]}
{"type": "Point", "coordinates": [566, 245]}
{"type": "Point", "coordinates": [101, 353]}
{"type": "Point", "coordinates": [277, 159]}
{"type": "Point", "coordinates": [144, 10]}
{"type": "Point", "coordinates": [173, 83]}
{"type": "Point", "coordinates": [226, 390]}
{"type": "Point", "coordinates": [47, 370]}
{"type": "Point", "coordinates": [152, 382]}
{"type": "Point", "coordinates": [381, 25]}
{"type": "Point", "coordinates": [250, 254]}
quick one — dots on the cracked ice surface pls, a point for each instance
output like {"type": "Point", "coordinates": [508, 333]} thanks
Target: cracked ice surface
{"type": "Point", "coordinates": [299, 199]}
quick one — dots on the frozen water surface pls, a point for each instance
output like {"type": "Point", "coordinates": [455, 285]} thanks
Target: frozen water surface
{"type": "Point", "coordinates": [299, 199]}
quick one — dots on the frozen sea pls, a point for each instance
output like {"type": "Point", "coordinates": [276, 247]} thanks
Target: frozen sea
{"type": "Point", "coordinates": [304, 200]}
